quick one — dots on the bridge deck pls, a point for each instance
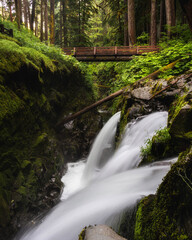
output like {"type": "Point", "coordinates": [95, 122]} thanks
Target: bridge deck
{"type": "Point", "coordinates": [122, 53]}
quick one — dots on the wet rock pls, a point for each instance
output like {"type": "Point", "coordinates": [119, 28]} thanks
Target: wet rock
{"type": "Point", "coordinates": [101, 232]}
{"type": "Point", "coordinates": [143, 93]}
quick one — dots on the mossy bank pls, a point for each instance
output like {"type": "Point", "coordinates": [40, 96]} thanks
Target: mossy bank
{"type": "Point", "coordinates": [36, 91]}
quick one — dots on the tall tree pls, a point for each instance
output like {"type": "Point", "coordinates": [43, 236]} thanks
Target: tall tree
{"type": "Point", "coordinates": [9, 3]}
{"type": "Point", "coordinates": [170, 15]}
{"type": "Point", "coordinates": [187, 9]}
{"type": "Point", "coordinates": [153, 31]}
{"type": "Point", "coordinates": [162, 20]}
{"type": "Point", "coordinates": [25, 10]}
{"type": "Point", "coordinates": [18, 12]}
{"type": "Point", "coordinates": [125, 24]}
{"type": "Point", "coordinates": [65, 22]}
{"type": "Point", "coordinates": [32, 17]}
{"type": "Point", "coordinates": [46, 19]}
{"type": "Point", "coordinates": [52, 21]}
{"type": "Point", "coordinates": [42, 21]}
{"type": "Point", "coordinates": [131, 22]}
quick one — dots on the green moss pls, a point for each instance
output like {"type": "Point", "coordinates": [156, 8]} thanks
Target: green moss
{"type": "Point", "coordinates": [157, 147]}
{"type": "Point", "coordinates": [10, 103]}
{"type": "Point", "coordinates": [176, 108]}
{"type": "Point", "coordinates": [38, 59]}
{"type": "Point", "coordinates": [82, 234]}
{"type": "Point", "coordinates": [157, 87]}
{"type": "Point", "coordinates": [167, 214]}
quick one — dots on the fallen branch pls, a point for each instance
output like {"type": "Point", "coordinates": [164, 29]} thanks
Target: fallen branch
{"type": "Point", "coordinates": [94, 105]}
{"type": "Point", "coordinates": [116, 94]}
{"type": "Point", "coordinates": [162, 90]}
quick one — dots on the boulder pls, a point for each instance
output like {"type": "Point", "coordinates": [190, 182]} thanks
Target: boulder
{"type": "Point", "coordinates": [100, 232]}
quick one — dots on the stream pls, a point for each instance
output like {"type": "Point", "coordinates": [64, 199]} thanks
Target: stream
{"type": "Point", "coordinates": [99, 188]}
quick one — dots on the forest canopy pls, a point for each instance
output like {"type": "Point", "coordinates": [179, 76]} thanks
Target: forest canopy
{"type": "Point", "coordinates": [101, 22]}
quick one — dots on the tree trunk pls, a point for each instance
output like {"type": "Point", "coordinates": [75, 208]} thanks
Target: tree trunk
{"type": "Point", "coordinates": [25, 7]}
{"type": "Point", "coordinates": [162, 20]}
{"type": "Point", "coordinates": [125, 25]}
{"type": "Point", "coordinates": [61, 25]}
{"type": "Point", "coordinates": [20, 11]}
{"type": "Point", "coordinates": [32, 18]}
{"type": "Point", "coordinates": [131, 22]}
{"type": "Point", "coordinates": [186, 5]}
{"type": "Point", "coordinates": [10, 10]}
{"type": "Point", "coordinates": [36, 26]}
{"type": "Point", "coordinates": [52, 22]}
{"type": "Point", "coordinates": [64, 23]}
{"type": "Point", "coordinates": [170, 15]}
{"type": "Point", "coordinates": [79, 22]}
{"type": "Point", "coordinates": [17, 7]}
{"type": "Point", "coordinates": [153, 31]}
{"type": "Point", "coordinates": [46, 20]}
{"type": "Point", "coordinates": [42, 20]}
{"type": "Point", "coordinates": [2, 8]}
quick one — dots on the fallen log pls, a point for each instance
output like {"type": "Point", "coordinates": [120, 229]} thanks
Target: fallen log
{"type": "Point", "coordinates": [94, 105]}
{"type": "Point", "coordinates": [114, 95]}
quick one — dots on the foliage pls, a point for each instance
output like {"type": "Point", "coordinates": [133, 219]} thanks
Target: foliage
{"type": "Point", "coordinates": [120, 74]}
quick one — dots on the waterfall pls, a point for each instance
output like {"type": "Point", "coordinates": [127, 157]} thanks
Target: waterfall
{"type": "Point", "coordinates": [112, 186]}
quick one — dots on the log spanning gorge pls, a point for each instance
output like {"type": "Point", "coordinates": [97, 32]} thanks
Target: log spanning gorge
{"type": "Point", "coordinates": [108, 182]}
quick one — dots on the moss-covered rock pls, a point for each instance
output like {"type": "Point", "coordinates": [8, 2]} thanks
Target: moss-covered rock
{"type": "Point", "coordinates": [180, 116]}
{"type": "Point", "coordinates": [167, 215]}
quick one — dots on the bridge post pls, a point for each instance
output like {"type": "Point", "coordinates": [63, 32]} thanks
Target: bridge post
{"type": "Point", "coordinates": [74, 51]}
{"type": "Point", "coordinates": [137, 49]}
{"type": "Point", "coordinates": [115, 50]}
{"type": "Point", "coordinates": [94, 51]}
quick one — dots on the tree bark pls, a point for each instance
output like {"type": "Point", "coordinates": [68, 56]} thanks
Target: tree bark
{"type": "Point", "coordinates": [36, 26]}
{"type": "Point", "coordinates": [25, 7]}
{"type": "Point", "coordinates": [46, 20]}
{"type": "Point", "coordinates": [10, 10]}
{"type": "Point", "coordinates": [65, 23]}
{"type": "Point", "coordinates": [162, 20]}
{"type": "Point", "coordinates": [131, 22]}
{"type": "Point", "coordinates": [42, 21]}
{"type": "Point", "coordinates": [125, 25]}
{"type": "Point", "coordinates": [61, 25]}
{"type": "Point", "coordinates": [170, 15]}
{"type": "Point", "coordinates": [79, 22]}
{"type": "Point", "coordinates": [18, 16]}
{"type": "Point", "coordinates": [32, 18]}
{"type": "Point", "coordinates": [153, 40]}
{"type": "Point", "coordinates": [52, 21]}
{"type": "Point", "coordinates": [186, 5]}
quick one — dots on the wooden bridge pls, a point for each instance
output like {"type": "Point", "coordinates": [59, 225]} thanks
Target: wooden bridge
{"type": "Point", "coordinates": [99, 54]}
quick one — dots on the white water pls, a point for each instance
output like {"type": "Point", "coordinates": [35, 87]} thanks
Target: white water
{"type": "Point", "coordinates": [114, 186]}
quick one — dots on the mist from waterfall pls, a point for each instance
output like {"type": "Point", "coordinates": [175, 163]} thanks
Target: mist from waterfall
{"type": "Point", "coordinates": [113, 181]}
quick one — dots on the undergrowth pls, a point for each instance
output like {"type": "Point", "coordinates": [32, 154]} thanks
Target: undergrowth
{"type": "Point", "coordinates": [117, 75]}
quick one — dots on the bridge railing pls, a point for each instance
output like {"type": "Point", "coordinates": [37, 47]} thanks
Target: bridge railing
{"type": "Point", "coordinates": [109, 51]}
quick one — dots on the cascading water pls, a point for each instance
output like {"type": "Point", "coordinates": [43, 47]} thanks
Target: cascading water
{"type": "Point", "coordinates": [110, 188]}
